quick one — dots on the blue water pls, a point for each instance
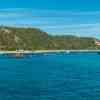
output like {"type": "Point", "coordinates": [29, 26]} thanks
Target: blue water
{"type": "Point", "coordinates": [50, 77]}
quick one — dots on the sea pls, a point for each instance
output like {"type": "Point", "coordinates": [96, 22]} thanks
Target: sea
{"type": "Point", "coordinates": [74, 76]}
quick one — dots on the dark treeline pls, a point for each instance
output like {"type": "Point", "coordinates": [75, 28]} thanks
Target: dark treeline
{"type": "Point", "coordinates": [35, 39]}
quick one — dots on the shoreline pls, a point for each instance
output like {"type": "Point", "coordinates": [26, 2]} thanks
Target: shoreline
{"type": "Point", "coordinates": [48, 51]}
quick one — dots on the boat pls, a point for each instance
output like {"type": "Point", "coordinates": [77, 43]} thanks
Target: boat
{"type": "Point", "coordinates": [19, 54]}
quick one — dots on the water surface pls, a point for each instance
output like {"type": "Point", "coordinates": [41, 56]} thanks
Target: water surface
{"type": "Point", "coordinates": [50, 77]}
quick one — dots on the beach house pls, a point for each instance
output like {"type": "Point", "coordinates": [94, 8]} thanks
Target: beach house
{"type": "Point", "coordinates": [97, 43]}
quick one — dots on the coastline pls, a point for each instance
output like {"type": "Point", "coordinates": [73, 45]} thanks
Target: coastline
{"type": "Point", "coordinates": [48, 51]}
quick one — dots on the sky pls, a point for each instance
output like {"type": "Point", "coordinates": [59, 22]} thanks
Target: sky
{"type": "Point", "coordinates": [57, 17]}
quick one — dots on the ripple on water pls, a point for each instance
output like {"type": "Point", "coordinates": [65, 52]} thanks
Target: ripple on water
{"type": "Point", "coordinates": [50, 77]}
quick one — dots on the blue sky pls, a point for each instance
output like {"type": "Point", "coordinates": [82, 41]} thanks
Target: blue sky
{"type": "Point", "coordinates": [74, 17]}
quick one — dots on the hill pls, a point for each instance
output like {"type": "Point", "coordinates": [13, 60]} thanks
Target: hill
{"type": "Point", "coordinates": [35, 39]}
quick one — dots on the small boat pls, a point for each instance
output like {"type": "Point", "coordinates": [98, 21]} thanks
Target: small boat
{"type": "Point", "coordinates": [19, 55]}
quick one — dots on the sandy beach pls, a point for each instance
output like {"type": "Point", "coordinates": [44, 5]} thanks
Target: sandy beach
{"type": "Point", "coordinates": [48, 51]}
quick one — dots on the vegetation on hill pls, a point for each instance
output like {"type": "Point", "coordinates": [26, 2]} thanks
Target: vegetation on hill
{"type": "Point", "coordinates": [35, 39]}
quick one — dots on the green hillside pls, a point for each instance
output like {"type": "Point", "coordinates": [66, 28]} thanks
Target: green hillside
{"type": "Point", "coordinates": [35, 39]}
